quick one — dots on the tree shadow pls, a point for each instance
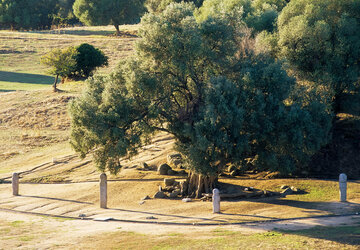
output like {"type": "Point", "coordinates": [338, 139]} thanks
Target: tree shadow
{"type": "Point", "coordinates": [168, 215]}
{"type": "Point", "coordinates": [314, 207]}
{"type": "Point", "coordinates": [26, 78]}
{"type": "Point", "coordinates": [57, 199]}
{"type": "Point", "coordinates": [344, 234]}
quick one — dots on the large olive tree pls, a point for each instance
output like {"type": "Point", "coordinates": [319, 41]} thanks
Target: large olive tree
{"type": "Point", "coordinates": [222, 106]}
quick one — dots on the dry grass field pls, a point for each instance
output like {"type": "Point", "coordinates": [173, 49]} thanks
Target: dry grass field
{"type": "Point", "coordinates": [34, 134]}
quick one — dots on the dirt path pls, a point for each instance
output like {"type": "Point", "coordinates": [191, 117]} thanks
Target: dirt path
{"type": "Point", "coordinates": [65, 232]}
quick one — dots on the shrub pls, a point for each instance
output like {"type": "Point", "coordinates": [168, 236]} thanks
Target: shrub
{"type": "Point", "coordinates": [88, 59]}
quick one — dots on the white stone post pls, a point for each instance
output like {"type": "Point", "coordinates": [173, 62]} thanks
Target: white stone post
{"type": "Point", "coordinates": [342, 186]}
{"type": "Point", "coordinates": [15, 184]}
{"type": "Point", "coordinates": [216, 200]}
{"type": "Point", "coordinates": [103, 190]}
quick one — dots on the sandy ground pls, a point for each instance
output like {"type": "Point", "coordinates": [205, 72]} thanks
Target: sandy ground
{"type": "Point", "coordinates": [64, 233]}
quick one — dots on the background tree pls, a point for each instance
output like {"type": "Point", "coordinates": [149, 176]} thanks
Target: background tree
{"type": "Point", "coordinates": [258, 15]}
{"type": "Point", "coordinates": [61, 61]}
{"type": "Point", "coordinates": [27, 14]}
{"type": "Point", "coordinates": [64, 13]}
{"type": "Point", "coordinates": [157, 6]}
{"type": "Point", "coordinates": [321, 41]}
{"type": "Point", "coordinates": [88, 59]}
{"type": "Point", "coordinates": [104, 12]}
{"type": "Point", "coordinates": [190, 80]}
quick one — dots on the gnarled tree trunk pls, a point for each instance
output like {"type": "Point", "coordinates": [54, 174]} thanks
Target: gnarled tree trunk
{"type": "Point", "coordinates": [197, 184]}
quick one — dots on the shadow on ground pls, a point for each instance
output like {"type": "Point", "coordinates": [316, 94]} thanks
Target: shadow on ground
{"type": "Point", "coordinates": [26, 78]}
{"type": "Point", "coordinates": [349, 235]}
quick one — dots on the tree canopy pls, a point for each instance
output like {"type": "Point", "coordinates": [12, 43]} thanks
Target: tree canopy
{"type": "Point", "coordinates": [189, 79]}
{"type": "Point", "coordinates": [61, 61]}
{"type": "Point", "coordinates": [321, 41]}
{"type": "Point", "coordinates": [27, 14]}
{"type": "Point", "coordinates": [88, 59]}
{"type": "Point", "coordinates": [104, 12]}
{"type": "Point", "coordinates": [157, 6]}
{"type": "Point", "coordinates": [258, 14]}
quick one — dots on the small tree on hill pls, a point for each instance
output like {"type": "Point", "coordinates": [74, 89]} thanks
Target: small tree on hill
{"type": "Point", "coordinates": [104, 12]}
{"type": "Point", "coordinates": [62, 63]}
{"type": "Point", "coordinates": [88, 58]}
{"type": "Point", "coordinates": [222, 105]}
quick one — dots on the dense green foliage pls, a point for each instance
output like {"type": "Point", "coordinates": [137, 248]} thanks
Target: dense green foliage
{"type": "Point", "coordinates": [321, 41]}
{"type": "Point", "coordinates": [258, 14]}
{"type": "Point", "coordinates": [26, 14]}
{"type": "Point", "coordinates": [157, 6]}
{"type": "Point", "coordinates": [64, 14]}
{"type": "Point", "coordinates": [104, 12]}
{"type": "Point", "coordinates": [74, 62]}
{"type": "Point", "coordinates": [88, 58]}
{"type": "Point", "coordinates": [61, 61]}
{"type": "Point", "coordinates": [192, 80]}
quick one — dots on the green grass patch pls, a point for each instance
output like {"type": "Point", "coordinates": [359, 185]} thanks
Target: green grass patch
{"type": "Point", "coordinates": [223, 232]}
{"type": "Point", "coordinates": [26, 238]}
{"type": "Point", "coordinates": [315, 238]}
{"type": "Point", "coordinates": [17, 223]}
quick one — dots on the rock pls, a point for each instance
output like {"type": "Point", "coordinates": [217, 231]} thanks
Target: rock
{"type": "Point", "coordinates": [236, 172]}
{"type": "Point", "coordinates": [182, 172]}
{"type": "Point", "coordinates": [147, 197]}
{"type": "Point", "coordinates": [169, 181]}
{"type": "Point", "coordinates": [174, 159]}
{"type": "Point", "coordinates": [174, 193]}
{"type": "Point", "coordinates": [294, 189]}
{"type": "Point", "coordinates": [163, 169]}
{"type": "Point", "coordinates": [168, 189]}
{"type": "Point", "coordinates": [231, 168]}
{"type": "Point", "coordinates": [284, 187]}
{"type": "Point", "coordinates": [186, 200]}
{"type": "Point", "coordinates": [145, 165]}
{"type": "Point", "coordinates": [286, 192]}
{"type": "Point", "coordinates": [160, 195]}
{"type": "Point", "coordinates": [171, 172]}
{"type": "Point", "coordinates": [249, 189]}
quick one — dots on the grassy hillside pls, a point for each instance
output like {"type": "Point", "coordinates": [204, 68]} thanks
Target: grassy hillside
{"type": "Point", "coordinates": [34, 123]}
{"type": "Point", "coordinates": [20, 67]}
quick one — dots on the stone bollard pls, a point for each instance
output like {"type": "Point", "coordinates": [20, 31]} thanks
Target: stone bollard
{"type": "Point", "coordinates": [216, 200]}
{"type": "Point", "coordinates": [15, 184]}
{"type": "Point", "coordinates": [103, 190]}
{"type": "Point", "coordinates": [342, 186]}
